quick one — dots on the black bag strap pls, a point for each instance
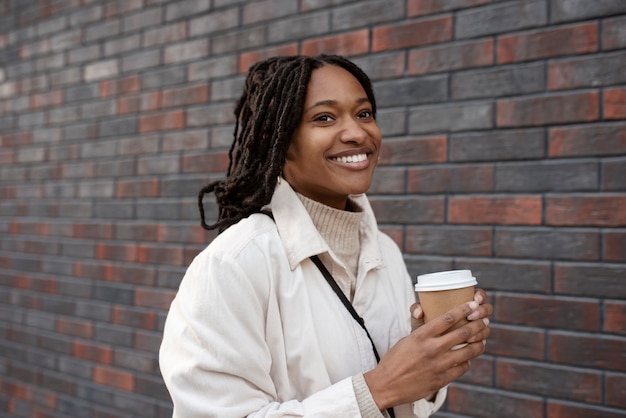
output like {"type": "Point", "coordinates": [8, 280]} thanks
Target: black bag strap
{"type": "Point", "coordinates": [333, 284]}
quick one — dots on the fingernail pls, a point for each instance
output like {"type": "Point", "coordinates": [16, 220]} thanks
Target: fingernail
{"type": "Point", "coordinates": [472, 316]}
{"type": "Point", "coordinates": [416, 312]}
{"type": "Point", "coordinates": [486, 321]}
{"type": "Point", "coordinates": [473, 305]}
{"type": "Point", "coordinates": [484, 342]}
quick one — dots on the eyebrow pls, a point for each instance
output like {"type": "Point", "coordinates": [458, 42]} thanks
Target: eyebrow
{"type": "Point", "coordinates": [331, 102]}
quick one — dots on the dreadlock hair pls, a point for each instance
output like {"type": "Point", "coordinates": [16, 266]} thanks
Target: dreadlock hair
{"type": "Point", "coordinates": [267, 114]}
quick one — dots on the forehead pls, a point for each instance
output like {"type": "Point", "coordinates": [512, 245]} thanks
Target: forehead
{"type": "Point", "coordinates": [332, 82]}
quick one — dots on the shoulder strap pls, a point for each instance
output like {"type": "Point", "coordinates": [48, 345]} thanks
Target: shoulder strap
{"type": "Point", "coordinates": [333, 284]}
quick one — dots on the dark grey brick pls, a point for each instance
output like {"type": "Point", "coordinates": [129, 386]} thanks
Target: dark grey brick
{"type": "Point", "coordinates": [83, 54]}
{"type": "Point", "coordinates": [215, 21]}
{"type": "Point", "coordinates": [547, 243]}
{"type": "Point", "coordinates": [454, 117]}
{"type": "Point", "coordinates": [366, 13]}
{"type": "Point", "coordinates": [118, 126]}
{"type": "Point", "coordinates": [102, 30]}
{"type": "Point", "coordinates": [299, 26]}
{"type": "Point", "coordinates": [411, 91]}
{"type": "Point", "coordinates": [113, 210]}
{"type": "Point", "coordinates": [229, 89]}
{"type": "Point", "coordinates": [547, 176]}
{"type": "Point", "coordinates": [494, 274]}
{"type": "Point", "coordinates": [98, 110]}
{"type": "Point", "coordinates": [218, 67]}
{"type": "Point", "coordinates": [143, 19]}
{"type": "Point", "coordinates": [501, 17]}
{"type": "Point", "coordinates": [84, 16]}
{"type": "Point", "coordinates": [517, 144]}
{"type": "Point", "coordinates": [186, 8]}
{"type": "Point", "coordinates": [121, 45]}
{"type": "Point", "coordinates": [498, 82]}
{"type": "Point", "coordinates": [567, 10]}
{"type": "Point", "coordinates": [141, 60]}
{"type": "Point", "coordinates": [112, 334]}
{"type": "Point", "coordinates": [66, 40]}
{"type": "Point", "coordinates": [590, 71]}
{"type": "Point", "coordinates": [82, 92]}
{"type": "Point", "coordinates": [163, 77]}
{"type": "Point", "coordinates": [381, 66]}
{"type": "Point", "coordinates": [238, 40]}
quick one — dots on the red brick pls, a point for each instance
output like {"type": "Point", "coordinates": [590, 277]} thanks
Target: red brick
{"type": "Point", "coordinates": [614, 245]}
{"type": "Point", "coordinates": [162, 121]}
{"type": "Point", "coordinates": [615, 103]}
{"type": "Point", "coordinates": [186, 140]}
{"type": "Point", "coordinates": [548, 110]}
{"type": "Point", "coordinates": [603, 210]}
{"type": "Point", "coordinates": [247, 59]}
{"type": "Point", "coordinates": [556, 409]}
{"type": "Point", "coordinates": [585, 350]}
{"type": "Point", "coordinates": [114, 378]}
{"type": "Point", "coordinates": [137, 188]}
{"type": "Point", "coordinates": [92, 352]}
{"type": "Point", "coordinates": [169, 255]}
{"type": "Point", "coordinates": [210, 162]}
{"type": "Point", "coordinates": [141, 103]}
{"type": "Point", "coordinates": [412, 34]}
{"type": "Point", "coordinates": [615, 317]}
{"type": "Point", "coordinates": [504, 210]}
{"type": "Point", "coordinates": [520, 342]}
{"type": "Point", "coordinates": [485, 402]}
{"type": "Point", "coordinates": [439, 179]}
{"type": "Point", "coordinates": [588, 140]}
{"type": "Point", "coordinates": [18, 139]}
{"type": "Point", "coordinates": [456, 56]}
{"type": "Point", "coordinates": [578, 385]}
{"type": "Point", "coordinates": [117, 251]}
{"type": "Point", "coordinates": [426, 7]}
{"type": "Point", "coordinates": [139, 145]}
{"type": "Point", "coordinates": [427, 149]}
{"type": "Point", "coordinates": [546, 43]}
{"type": "Point", "coordinates": [348, 44]}
{"type": "Point", "coordinates": [74, 327]}
{"type": "Point", "coordinates": [615, 390]}
{"type": "Point", "coordinates": [548, 312]}
{"type": "Point", "coordinates": [47, 99]}
{"type": "Point", "coordinates": [99, 230]}
{"type": "Point", "coordinates": [133, 317]}
{"type": "Point", "coordinates": [154, 298]}
{"type": "Point", "coordinates": [116, 87]}
{"type": "Point", "coordinates": [185, 95]}
{"type": "Point", "coordinates": [181, 233]}
{"type": "Point", "coordinates": [140, 275]}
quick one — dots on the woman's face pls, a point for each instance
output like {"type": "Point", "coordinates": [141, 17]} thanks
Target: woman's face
{"type": "Point", "coordinates": [335, 147]}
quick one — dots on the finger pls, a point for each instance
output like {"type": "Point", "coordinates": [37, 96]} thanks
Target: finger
{"type": "Point", "coordinates": [480, 296]}
{"type": "Point", "coordinates": [483, 311]}
{"type": "Point", "coordinates": [417, 316]}
{"type": "Point", "coordinates": [444, 322]}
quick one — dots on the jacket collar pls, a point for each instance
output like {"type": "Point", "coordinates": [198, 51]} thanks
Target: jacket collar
{"type": "Point", "coordinates": [302, 240]}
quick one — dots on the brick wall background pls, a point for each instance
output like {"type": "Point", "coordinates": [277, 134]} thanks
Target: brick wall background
{"type": "Point", "coordinates": [504, 152]}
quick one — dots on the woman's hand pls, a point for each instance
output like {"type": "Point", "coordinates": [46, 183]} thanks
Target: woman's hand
{"type": "Point", "coordinates": [424, 362]}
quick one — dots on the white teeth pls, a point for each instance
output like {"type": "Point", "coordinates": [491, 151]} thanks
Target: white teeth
{"type": "Point", "coordinates": [351, 158]}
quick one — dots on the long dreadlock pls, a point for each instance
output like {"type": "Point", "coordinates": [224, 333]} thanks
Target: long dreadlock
{"type": "Point", "coordinates": [267, 114]}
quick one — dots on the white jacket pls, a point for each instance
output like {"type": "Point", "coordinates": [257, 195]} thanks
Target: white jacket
{"type": "Point", "coordinates": [256, 331]}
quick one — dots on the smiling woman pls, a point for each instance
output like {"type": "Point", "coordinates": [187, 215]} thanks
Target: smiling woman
{"type": "Point", "coordinates": [302, 307]}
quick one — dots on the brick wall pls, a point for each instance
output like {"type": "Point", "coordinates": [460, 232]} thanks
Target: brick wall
{"type": "Point", "coordinates": [504, 152]}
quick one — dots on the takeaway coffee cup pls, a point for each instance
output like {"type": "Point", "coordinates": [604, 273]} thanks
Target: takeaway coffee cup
{"type": "Point", "coordinates": [439, 292]}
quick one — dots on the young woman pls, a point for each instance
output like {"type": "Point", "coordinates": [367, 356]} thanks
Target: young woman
{"type": "Point", "coordinates": [257, 328]}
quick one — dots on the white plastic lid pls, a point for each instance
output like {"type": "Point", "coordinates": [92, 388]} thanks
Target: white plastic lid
{"type": "Point", "coordinates": [445, 280]}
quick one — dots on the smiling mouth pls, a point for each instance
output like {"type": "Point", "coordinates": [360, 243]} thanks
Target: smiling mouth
{"type": "Point", "coordinates": [350, 158]}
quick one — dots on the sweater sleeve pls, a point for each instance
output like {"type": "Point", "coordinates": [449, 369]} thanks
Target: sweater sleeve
{"type": "Point", "coordinates": [215, 360]}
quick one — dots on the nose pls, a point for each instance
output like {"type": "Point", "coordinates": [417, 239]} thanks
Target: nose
{"type": "Point", "coordinates": [353, 131]}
